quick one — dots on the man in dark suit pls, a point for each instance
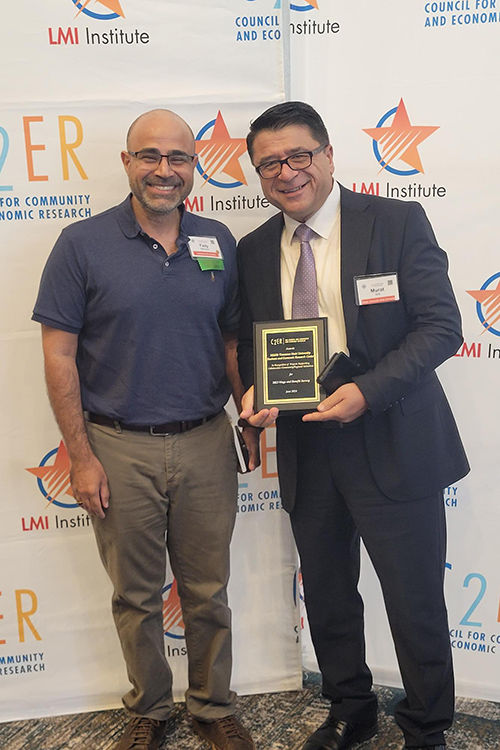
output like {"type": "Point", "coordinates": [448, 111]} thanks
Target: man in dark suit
{"type": "Point", "coordinates": [371, 462]}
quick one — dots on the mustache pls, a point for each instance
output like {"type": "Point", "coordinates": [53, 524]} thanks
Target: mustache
{"type": "Point", "coordinates": [164, 182]}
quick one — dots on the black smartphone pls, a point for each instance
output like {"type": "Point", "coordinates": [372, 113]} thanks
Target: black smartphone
{"type": "Point", "coordinates": [241, 451]}
{"type": "Point", "coordinates": [338, 370]}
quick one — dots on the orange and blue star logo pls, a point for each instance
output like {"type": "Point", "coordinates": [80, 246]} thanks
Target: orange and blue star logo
{"type": "Point", "coordinates": [53, 478]}
{"type": "Point", "coordinates": [173, 624]}
{"type": "Point", "coordinates": [220, 154]}
{"type": "Point", "coordinates": [112, 5]}
{"type": "Point", "coordinates": [399, 141]}
{"type": "Point", "coordinates": [488, 303]}
{"type": "Point", "coordinates": [311, 5]}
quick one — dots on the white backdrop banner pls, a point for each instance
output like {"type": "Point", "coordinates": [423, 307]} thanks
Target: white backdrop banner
{"type": "Point", "coordinates": [413, 117]}
{"type": "Point", "coordinates": [73, 82]}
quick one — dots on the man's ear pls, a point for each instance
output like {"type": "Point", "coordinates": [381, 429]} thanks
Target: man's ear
{"type": "Point", "coordinates": [125, 156]}
{"type": "Point", "coordinates": [329, 154]}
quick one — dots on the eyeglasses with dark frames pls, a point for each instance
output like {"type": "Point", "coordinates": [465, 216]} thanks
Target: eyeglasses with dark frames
{"type": "Point", "coordinates": [152, 158]}
{"type": "Point", "coordinates": [298, 161]}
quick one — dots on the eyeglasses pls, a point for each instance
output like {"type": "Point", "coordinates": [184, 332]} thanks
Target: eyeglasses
{"type": "Point", "coordinates": [301, 160]}
{"type": "Point", "coordinates": [152, 158]}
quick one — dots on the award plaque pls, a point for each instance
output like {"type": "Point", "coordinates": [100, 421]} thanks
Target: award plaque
{"type": "Point", "coordinates": [288, 357]}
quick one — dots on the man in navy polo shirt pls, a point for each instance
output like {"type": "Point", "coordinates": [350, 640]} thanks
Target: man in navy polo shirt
{"type": "Point", "coordinates": [139, 309]}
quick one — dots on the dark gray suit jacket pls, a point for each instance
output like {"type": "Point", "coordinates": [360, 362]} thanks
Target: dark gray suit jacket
{"type": "Point", "coordinates": [413, 443]}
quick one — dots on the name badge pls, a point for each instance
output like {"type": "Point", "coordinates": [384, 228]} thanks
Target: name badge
{"type": "Point", "coordinates": [207, 252]}
{"type": "Point", "coordinates": [380, 287]}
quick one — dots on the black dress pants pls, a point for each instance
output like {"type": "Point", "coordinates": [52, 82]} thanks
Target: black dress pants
{"type": "Point", "coordinates": [337, 503]}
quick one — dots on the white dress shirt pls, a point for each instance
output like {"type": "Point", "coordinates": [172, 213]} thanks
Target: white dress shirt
{"type": "Point", "coordinates": [326, 250]}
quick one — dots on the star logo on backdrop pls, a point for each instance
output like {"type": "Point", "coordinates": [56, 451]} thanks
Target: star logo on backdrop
{"type": "Point", "coordinates": [488, 304]}
{"type": "Point", "coordinates": [53, 480]}
{"type": "Point", "coordinates": [399, 141]}
{"type": "Point", "coordinates": [172, 612]}
{"type": "Point", "coordinates": [308, 6]}
{"type": "Point", "coordinates": [112, 5]}
{"type": "Point", "coordinates": [220, 154]}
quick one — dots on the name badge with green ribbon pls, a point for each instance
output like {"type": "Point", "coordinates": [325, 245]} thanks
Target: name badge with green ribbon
{"type": "Point", "coordinates": [207, 252]}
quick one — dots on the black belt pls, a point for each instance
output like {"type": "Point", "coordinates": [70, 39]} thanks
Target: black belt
{"type": "Point", "coordinates": [169, 428]}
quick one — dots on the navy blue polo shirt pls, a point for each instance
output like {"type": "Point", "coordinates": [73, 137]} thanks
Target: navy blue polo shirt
{"type": "Point", "coordinates": [150, 345]}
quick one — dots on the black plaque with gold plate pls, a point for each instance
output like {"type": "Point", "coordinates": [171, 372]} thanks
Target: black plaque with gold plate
{"type": "Point", "coordinates": [288, 357]}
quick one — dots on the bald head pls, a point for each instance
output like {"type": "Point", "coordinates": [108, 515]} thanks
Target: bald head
{"type": "Point", "coordinates": [156, 122]}
{"type": "Point", "coordinates": [161, 177]}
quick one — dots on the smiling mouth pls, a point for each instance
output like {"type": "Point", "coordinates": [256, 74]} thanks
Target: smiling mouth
{"type": "Point", "coordinates": [164, 188]}
{"type": "Point", "coordinates": [290, 191]}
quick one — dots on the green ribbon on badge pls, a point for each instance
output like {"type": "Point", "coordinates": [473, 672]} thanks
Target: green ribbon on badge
{"type": "Point", "coordinates": [211, 264]}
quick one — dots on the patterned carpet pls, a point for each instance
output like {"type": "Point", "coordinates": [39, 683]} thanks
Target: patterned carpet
{"type": "Point", "coordinates": [279, 721]}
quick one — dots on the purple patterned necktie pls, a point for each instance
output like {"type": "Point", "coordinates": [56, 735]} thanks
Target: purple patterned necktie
{"type": "Point", "coordinates": [305, 290]}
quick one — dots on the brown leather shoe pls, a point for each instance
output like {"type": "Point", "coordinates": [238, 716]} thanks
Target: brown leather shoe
{"type": "Point", "coordinates": [224, 734]}
{"type": "Point", "coordinates": [142, 733]}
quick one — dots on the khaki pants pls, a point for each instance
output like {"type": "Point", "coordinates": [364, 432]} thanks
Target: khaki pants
{"type": "Point", "coordinates": [182, 489]}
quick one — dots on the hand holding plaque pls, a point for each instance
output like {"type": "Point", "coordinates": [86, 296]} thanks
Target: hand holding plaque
{"type": "Point", "coordinates": [288, 357]}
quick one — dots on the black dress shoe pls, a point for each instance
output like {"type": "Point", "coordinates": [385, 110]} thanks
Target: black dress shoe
{"type": "Point", "coordinates": [339, 735]}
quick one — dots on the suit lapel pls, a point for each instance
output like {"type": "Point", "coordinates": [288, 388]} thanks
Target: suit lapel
{"type": "Point", "coordinates": [271, 263]}
{"type": "Point", "coordinates": [355, 238]}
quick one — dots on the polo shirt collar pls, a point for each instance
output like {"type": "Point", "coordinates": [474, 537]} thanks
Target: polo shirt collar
{"type": "Point", "coordinates": [126, 218]}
